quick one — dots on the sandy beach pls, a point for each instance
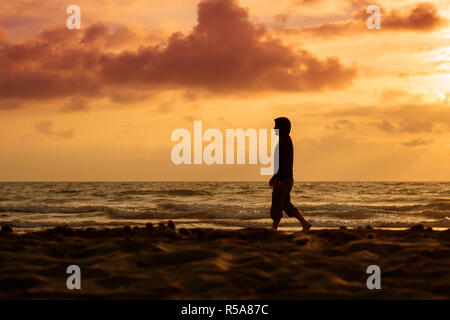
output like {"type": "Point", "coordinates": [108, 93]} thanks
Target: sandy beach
{"type": "Point", "coordinates": [164, 262]}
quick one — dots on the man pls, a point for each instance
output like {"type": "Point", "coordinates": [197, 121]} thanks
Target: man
{"type": "Point", "coordinates": [283, 180]}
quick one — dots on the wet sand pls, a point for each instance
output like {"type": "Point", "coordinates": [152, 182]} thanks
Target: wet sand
{"type": "Point", "coordinates": [163, 262]}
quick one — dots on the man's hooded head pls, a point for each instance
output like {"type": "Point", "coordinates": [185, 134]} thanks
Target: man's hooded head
{"type": "Point", "coordinates": [284, 125]}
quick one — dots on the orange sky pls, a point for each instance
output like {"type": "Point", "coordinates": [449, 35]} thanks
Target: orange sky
{"type": "Point", "coordinates": [101, 103]}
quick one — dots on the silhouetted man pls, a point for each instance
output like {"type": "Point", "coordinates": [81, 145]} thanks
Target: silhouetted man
{"type": "Point", "coordinates": [283, 180]}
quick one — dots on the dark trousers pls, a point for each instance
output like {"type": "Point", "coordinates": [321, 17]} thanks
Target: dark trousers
{"type": "Point", "coordinates": [281, 201]}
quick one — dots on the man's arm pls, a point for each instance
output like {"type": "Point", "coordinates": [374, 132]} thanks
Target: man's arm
{"type": "Point", "coordinates": [283, 163]}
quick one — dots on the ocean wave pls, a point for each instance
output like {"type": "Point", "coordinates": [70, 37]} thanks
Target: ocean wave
{"type": "Point", "coordinates": [66, 191]}
{"type": "Point", "coordinates": [200, 206]}
{"type": "Point", "coordinates": [264, 222]}
{"type": "Point", "coordinates": [112, 211]}
{"type": "Point", "coordinates": [436, 207]}
{"type": "Point", "coordinates": [73, 224]}
{"type": "Point", "coordinates": [443, 205]}
{"type": "Point", "coordinates": [169, 192]}
{"type": "Point", "coordinates": [439, 205]}
{"type": "Point", "coordinates": [51, 209]}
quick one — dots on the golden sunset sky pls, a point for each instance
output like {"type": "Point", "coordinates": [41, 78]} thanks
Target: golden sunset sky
{"type": "Point", "coordinates": [100, 103]}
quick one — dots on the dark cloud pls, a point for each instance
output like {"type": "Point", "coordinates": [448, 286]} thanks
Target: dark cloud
{"type": "Point", "coordinates": [418, 142]}
{"type": "Point", "coordinates": [94, 33]}
{"type": "Point", "coordinates": [416, 125]}
{"type": "Point", "coordinates": [9, 105]}
{"type": "Point", "coordinates": [125, 95]}
{"type": "Point", "coordinates": [76, 104]}
{"type": "Point", "coordinates": [281, 19]}
{"type": "Point", "coordinates": [69, 133]}
{"type": "Point", "coordinates": [407, 125]}
{"type": "Point", "coordinates": [328, 29]}
{"type": "Point", "coordinates": [225, 53]}
{"type": "Point", "coordinates": [423, 17]}
{"type": "Point", "coordinates": [386, 126]}
{"type": "Point", "coordinates": [45, 127]}
{"type": "Point", "coordinates": [3, 36]}
{"type": "Point", "coordinates": [341, 124]}
{"type": "Point", "coordinates": [303, 2]}
{"type": "Point", "coordinates": [34, 84]}
{"type": "Point", "coordinates": [99, 34]}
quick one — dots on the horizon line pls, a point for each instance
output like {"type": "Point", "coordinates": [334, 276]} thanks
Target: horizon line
{"type": "Point", "coordinates": [200, 181]}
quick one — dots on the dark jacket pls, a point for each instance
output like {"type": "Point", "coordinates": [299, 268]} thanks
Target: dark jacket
{"type": "Point", "coordinates": [286, 159]}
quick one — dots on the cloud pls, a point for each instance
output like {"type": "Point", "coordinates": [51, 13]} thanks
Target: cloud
{"type": "Point", "coordinates": [332, 29]}
{"type": "Point", "coordinates": [9, 105]}
{"type": "Point", "coordinates": [301, 2]}
{"type": "Point", "coordinates": [76, 104]}
{"type": "Point", "coordinates": [395, 95]}
{"type": "Point", "coordinates": [423, 17]}
{"type": "Point", "coordinates": [224, 53]}
{"type": "Point", "coordinates": [3, 36]}
{"type": "Point", "coordinates": [406, 119]}
{"type": "Point", "coordinates": [416, 125]}
{"type": "Point", "coordinates": [341, 124]}
{"type": "Point", "coordinates": [45, 127]}
{"type": "Point", "coordinates": [410, 113]}
{"type": "Point", "coordinates": [419, 142]}
{"type": "Point", "coordinates": [407, 125]}
{"type": "Point", "coordinates": [37, 84]}
{"type": "Point", "coordinates": [125, 95]}
{"type": "Point", "coordinates": [386, 126]}
{"type": "Point", "coordinates": [100, 35]}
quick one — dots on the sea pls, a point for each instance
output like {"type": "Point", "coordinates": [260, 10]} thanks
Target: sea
{"type": "Point", "coordinates": [31, 206]}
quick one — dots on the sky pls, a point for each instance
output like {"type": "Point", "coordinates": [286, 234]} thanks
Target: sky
{"type": "Point", "coordinates": [100, 103]}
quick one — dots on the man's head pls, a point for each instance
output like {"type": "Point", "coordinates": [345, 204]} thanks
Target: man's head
{"type": "Point", "coordinates": [284, 125]}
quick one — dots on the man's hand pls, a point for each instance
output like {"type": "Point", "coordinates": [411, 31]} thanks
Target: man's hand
{"type": "Point", "coordinates": [276, 182]}
{"type": "Point", "coordinates": [272, 181]}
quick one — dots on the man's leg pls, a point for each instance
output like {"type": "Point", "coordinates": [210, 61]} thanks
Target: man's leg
{"type": "Point", "coordinates": [275, 224]}
{"type": "Point", "coordinates": [305, 224]}
{"type": "Point", "coordinates": [276, 210]}
{"type": "Point", "coordinates": [292, 211]}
